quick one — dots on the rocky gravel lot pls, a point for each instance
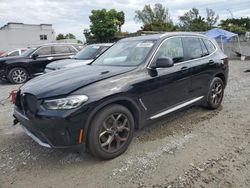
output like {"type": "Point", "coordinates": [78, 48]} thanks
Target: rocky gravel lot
{"type": "Point", "coordinates": [193, 148]}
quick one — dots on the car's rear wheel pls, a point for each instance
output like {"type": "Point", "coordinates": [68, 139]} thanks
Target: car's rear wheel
{"type": "Point", "coordinates": [111, 132]}
{"type": "Point", "coordinates": [18, 75]}
{"type": "Point", "coordinates": [215, 93]}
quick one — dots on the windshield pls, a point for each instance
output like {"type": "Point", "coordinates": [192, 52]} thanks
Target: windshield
{"type": "Point", "coordinates": [125, 53]}
{"type": "Point", "coordinates": [28, 52]}
{"type": "Point", "coordinates": [87, 53]}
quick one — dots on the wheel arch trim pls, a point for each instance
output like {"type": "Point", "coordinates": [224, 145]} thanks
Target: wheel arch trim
{"type": "Point", "coordinates": [117, 100]}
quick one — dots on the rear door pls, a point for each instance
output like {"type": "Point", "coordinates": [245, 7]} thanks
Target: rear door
{"type": "Point", "coordinates": [201, 66]}
{"type": "Point", "coordinates": [168, 87]}
{"type": "Point", "coordinates": [62, 52]}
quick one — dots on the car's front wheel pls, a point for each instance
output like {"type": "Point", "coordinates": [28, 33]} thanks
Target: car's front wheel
{"type": "Point", "coordinates": [111, 132]}
{"type": "Point", "coordinates": [215, 93]}
{"type": "Point", "coordinates": [18, 75]}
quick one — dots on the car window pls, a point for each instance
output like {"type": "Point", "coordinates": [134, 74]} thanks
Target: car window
{"type": "Point", "coordinates": [193, 47]}
{"type": "Point", "coordinates": [71, 49]}
{"type": "Point", "coordinates": [171, 48]}
{"type": "Point", "coordinates": [28, 52]}
{"type": "Point", "coordinates": [204, 48]}
{"type": "Point", "coordinates": [104, 48]}
{"type": "Point", "coordinates": [79, 47]}
{"type": "Point", "coordinates": [14, 53]}
{"type": "Point", "coordinates": [61, 50]}
{"type": "Point", "coordinates": [87, 52]}
{"type": "Point", "coordinates": [23, 50]}
{"type": "Point", "coordinates": [126, 53]}
{"type": "Point", "coordinates": [44, 51]}
{"type": "Point", "coordinates": [210, 46]}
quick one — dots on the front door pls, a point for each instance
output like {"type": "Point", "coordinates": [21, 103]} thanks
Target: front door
{"type": "Point", "coordinates": [44, 56]}
{"type": "Point", "coordinates": [167, 87]}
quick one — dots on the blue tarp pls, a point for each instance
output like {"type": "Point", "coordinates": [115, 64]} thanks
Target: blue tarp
{"type": "Point", "coordinates": [220, 34]}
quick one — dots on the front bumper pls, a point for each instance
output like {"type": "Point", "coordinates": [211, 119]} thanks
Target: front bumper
{"type": "Point", "coordinates": [2, 74]}
{"type": "Point", "coordinates": [36, 139]}
{"type": "Point", "coordinates": [52, 131]}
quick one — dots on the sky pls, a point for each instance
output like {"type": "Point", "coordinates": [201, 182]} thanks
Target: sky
{"type": "Point", "coordinates": [72, 16]}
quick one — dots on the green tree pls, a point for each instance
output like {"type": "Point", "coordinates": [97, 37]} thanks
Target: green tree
{"type": "Point", "coordinates": [70, 36]}
{"type": "Point", "coordinates": [88, 36]}
{"type": "Point", "coordinates": [156, 19]}
{"type": "Point", "coordinates": [212, 18]}
{"type": "Point", "coordinates": [236, 25]}
{"type": "Point", "coordinates": [104, 25]}
{"type": "Point", "coordinates": [120, 20]}
{"type": "Point", "coordinates": [193, 21]}
{"type": "Point", "coordinates": [60, 36]}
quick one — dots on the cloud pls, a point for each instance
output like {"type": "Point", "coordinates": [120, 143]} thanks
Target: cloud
{"type": "Point", "coordinates": [73, 15]}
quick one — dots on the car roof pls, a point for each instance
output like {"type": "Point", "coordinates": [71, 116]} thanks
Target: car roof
{"type": "Point", "coordinates": [163, 35]}
{"type": "Point", "coordinates": [55, 44]}
{"type": "Point", "coordinates": [101, 44]}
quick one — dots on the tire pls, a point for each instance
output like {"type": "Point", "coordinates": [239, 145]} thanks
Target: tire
{"type": "Point", "coordinates": [111, 132]}
{"type": "Point", "coordinates": [215, 93]}
{"type": "Point", "coordinates": [18, 75]}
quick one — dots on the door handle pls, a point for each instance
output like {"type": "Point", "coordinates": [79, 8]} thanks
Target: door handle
{"type": "Point", "coordinates": [211, 62]}
{"type": "Point", "coordinates": [49, 58]}
{"type": "Point", "coordinates": [184, 69]}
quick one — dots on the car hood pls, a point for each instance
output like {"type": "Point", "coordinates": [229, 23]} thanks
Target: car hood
{"type": "Point", "coordinates": [10, 59]}
{"type": "Point", "coordinates": [67, 63]}
{"type": "Point", "coordinates": [65, 81]}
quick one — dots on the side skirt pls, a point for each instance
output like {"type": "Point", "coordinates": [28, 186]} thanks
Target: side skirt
{"type": "Point", "coordinates": [176, 108]}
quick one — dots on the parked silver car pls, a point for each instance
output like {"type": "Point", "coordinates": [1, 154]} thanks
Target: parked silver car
{"type": "Point", "coordinates": [84, 57]}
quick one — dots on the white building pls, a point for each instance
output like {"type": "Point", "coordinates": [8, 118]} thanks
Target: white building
{"type": "Point", "coordinates": [19, 35]}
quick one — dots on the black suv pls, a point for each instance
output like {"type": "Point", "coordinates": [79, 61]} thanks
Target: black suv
{"type": "Point", "coordinates": [136, 81]}
{"type": "Point", "coordinates": [19, 69]}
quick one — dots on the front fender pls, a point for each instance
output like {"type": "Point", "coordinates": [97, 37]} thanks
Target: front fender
{"type": "Point", "coordinates": [114, 100]}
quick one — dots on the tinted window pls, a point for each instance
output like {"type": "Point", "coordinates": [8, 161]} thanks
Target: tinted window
{"type": "Point", "coordinates": [204, 49]}
{"type": "Point", "coordinates": [61, 49]}
{"type": "Point", "coordinates": [15, 53]}
{"type": "Point", "coordinates": [193, 47]}
{"type": "Point", "coordinates": [28, 52]}
{"type": "Point", "coordinates": [210, 47]}
{"type": "Point", "coordinates": [44, 51]}
{"type": "Point", "coordinates": [171, 48]}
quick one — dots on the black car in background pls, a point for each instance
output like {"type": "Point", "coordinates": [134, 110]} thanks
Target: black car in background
{"type": "Point", "coordinates": [136, 81]}
{"type": "Point", "coordinates": [84, 57]}
{"type": "Point", "coordinates": [19, 69]}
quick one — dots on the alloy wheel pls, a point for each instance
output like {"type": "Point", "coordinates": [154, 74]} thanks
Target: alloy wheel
{"type": "Point", "coordinates": [217, 93]}
{"type": "Point", "coordinates": [19, 76]}
{"type": "Point", "coordinates": [114, 132]}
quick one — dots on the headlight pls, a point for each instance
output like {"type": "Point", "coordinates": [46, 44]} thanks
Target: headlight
{"type": "Point", "coordinates": [65, 103]}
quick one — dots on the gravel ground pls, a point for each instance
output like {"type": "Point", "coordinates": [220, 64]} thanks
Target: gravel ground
{"type": "Point", "coordinates": [193, 148]}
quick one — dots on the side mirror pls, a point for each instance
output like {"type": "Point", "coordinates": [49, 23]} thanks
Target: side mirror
{"type": "Point", "coordinates": [34, 56]}
{"type": "Point", "coordinates": [163, 62]}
